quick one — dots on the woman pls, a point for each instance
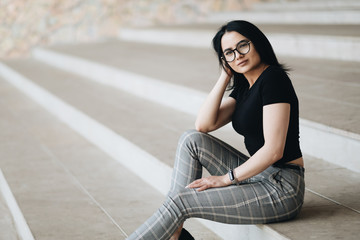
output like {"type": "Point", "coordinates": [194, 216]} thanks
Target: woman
{"type": "Point", "coordinates": [263, 107]}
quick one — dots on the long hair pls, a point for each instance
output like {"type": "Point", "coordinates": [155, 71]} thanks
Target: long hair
{"type": "Point", "coordinates": [258, 39]}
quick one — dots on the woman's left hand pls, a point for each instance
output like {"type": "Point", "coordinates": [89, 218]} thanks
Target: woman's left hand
{"type": "Point", "coordinates": [209, 182]}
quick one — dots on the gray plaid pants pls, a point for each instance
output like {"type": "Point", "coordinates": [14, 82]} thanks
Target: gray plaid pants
{"type": "Point", "coordinates": [274, 195]}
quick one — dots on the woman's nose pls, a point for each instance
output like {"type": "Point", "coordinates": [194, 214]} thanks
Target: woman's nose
{"type": "Point", "coordinates": [238, 54]}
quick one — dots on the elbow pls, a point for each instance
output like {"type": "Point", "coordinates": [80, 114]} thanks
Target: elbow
{"type": "Point", "coordinates": [276, 156]}
{"type": "Point", "coordinates": [275, 153]}
{"type": "Point", "coordinates": [201, 128]}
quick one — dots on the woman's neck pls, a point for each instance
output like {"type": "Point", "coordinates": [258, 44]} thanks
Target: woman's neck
{"type": "Point", "coordinates": [253, 75]}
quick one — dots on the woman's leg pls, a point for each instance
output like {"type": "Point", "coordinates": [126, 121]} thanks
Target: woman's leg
{"type": "Point", "coordinates": [197, 150]}
{"type": "Point", "coordinates": [266, 198]}
{"type": "Point", "coordinates": [194, 151]}
{"type": "Point", "coordinates": [193, 154]}
{"type": "Point", "coordinates": [278, 197]}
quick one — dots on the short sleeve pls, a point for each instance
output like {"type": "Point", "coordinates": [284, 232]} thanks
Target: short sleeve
{"type": "Point", "coordinates": [276, 88]}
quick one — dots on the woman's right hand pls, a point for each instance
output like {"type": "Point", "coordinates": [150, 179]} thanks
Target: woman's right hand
{"type": "Point", "coordinates": [226, 72]}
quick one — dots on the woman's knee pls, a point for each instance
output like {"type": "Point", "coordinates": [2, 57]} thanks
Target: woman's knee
{"type": "Point", "coordinates": [179, 202]}
{"type": "Point", "coordinates": [191, 136]}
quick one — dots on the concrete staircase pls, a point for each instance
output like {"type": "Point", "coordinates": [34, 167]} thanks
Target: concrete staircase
{"type": "Point", "coordinates": [298, 12]}
{"type": "Point", "coordinates": [89, 131]}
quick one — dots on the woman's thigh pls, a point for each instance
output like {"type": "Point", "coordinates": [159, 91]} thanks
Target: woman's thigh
{"type": "Point", "coordinates": [248, 203]}
{"type": "Point", "coordinates": [212, 153]}
{"type": "Point", "coordinates": [198, 150]}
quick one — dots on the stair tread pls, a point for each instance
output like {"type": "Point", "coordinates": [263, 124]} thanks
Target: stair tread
{"type": "Point", "coordinates": [321, 222]}
{"type": "Point", "coordinates": [7, 227]}
{"type": "Point", "coordinates": [316, 81]}
{"type": "Point", "coordinates": [50, 200]}
{"type": "Point", "coordinates": [306, 5]}
{"type": "Point", "coordinates": [343, 30]}
{"type": "Point", "coordinates": [337, 16]}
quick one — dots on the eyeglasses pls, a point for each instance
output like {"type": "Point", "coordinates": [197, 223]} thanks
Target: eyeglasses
{"type": "Point", "coordinates": [243, 47]}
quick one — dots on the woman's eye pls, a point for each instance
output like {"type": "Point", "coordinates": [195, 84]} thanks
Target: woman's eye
{"type": "Point", "coordinates": [228, 53]}
{"type": "Point", "coordinates": [242, 46]}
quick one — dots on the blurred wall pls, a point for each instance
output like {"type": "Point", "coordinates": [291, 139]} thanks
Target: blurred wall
{"type": "Point", "coordinates": [28, 23]}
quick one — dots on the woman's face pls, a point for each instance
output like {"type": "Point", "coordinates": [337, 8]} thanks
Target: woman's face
{"type": "Point", "coordinates": [242, 63]}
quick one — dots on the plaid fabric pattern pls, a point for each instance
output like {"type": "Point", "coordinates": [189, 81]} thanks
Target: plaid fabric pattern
{"type": "Point", "coordinates": [274, 195]}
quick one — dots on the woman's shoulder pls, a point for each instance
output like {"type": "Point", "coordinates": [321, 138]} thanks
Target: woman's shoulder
{"type": "Point", "coordinates": [275, 78]}
{"type": "Point", "coordinates": [275, 71]}
{"type": "Point", "coordinates": [275, 74]}
{"type": "Point", "coordinates": [276, 86]}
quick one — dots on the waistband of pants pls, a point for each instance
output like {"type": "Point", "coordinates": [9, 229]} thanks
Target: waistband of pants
{"type": "Point", "coordinates": [291, 166]}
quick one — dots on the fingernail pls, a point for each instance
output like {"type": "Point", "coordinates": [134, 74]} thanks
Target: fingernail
{"type": "Point", "coordinates": [187, 186]}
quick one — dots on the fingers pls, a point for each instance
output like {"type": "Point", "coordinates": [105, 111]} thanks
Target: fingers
{"type": "Point", "coordinates": [194, 184]}
{"type": "Point", "coordinates": [208, 182]}
{"type": "Point", "coordinates": [200, 184]}
{"type": "Point", "coordinates": [204, 187]}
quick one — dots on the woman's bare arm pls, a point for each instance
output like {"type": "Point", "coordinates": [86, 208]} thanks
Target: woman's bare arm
{"type": "Point", "coordinates": [216, 112]}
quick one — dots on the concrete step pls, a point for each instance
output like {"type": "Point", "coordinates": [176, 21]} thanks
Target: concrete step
{"type": "Point", "coordinates": [8, 228]}
{"type": "Point", "coordinates": [337, 42]}
{"type": "Point", "coordinates": [295, 12]}
{"type": "Point", "coordinates": [55, 204]}
{"type": "Point", "coordinates": [337, 125]}
{"type": "Point", "coordinates": [199, 70]}
{"type": "Point", "coordinates": [325, 17]}
{"type": "Point", "coordinates": [310, 5]}
{"type": "Point", "coordinates": [334, 198]}
{"type": "Point", "coordinates": [347, 30]}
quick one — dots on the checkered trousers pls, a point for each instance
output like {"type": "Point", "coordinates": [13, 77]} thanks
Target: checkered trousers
{"type": "Point", "coordinates": [274, 195]}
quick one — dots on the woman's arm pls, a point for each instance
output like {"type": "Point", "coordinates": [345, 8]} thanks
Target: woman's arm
{"type": "Point", "coordinates": [275, 124]}
{"type": "Point", "coordinates": [215, 112]}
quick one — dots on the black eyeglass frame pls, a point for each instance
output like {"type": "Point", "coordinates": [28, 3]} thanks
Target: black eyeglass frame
{"type": "Point", "coordinates": [236, 49]}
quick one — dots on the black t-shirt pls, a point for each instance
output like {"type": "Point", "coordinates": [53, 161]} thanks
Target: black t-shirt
{"type": "Point", "coordinates": [273, 86]}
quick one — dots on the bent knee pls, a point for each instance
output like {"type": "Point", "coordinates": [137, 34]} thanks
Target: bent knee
{"type": "Point", "coordinates": [188, 133]}
{"type": "Point", "coordinates": [191, 136]}
{"type": "Point", "coordinates": [182, 201]}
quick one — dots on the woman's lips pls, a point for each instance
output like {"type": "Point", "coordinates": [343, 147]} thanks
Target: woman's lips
{"type": "Point", "coordinates": [242, 63]}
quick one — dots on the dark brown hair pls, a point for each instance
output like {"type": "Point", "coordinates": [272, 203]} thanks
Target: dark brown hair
{"type": "Point", "coordinates": [258, 39]}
